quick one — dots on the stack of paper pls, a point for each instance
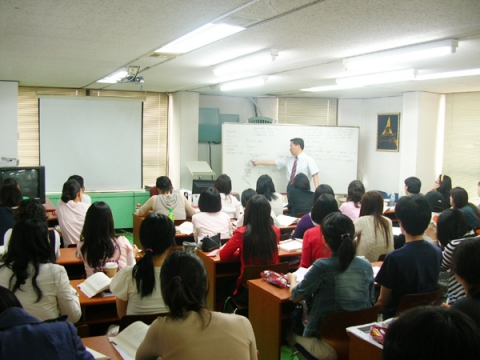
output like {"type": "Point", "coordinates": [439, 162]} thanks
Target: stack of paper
{"type": "Point", "coordinates": [285, 220]}
{"type": "Point", "coordinates": [291, 245]}
{"type": "Point", "coordinates": [185, 228]}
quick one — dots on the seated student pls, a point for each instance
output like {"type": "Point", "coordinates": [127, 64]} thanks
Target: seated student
{"type": "Point", "coordinates": [10, 199]}
{"type": "Point", "coordinates": [211, 220]}
{"type": "Point", "coordinates": [343, 282]}
{"type": "Point", "coordinates": [247, 195]}
{"type": "Point", "coordinates": [373, 230]}
{"type": "Point", "coordinates": [191, 331]}
{"type": "Point", "coordinates": [137, 288]}
{"type": "Point", "coordinates": [313, 246]}
{"type": "Point", "coordinates": [443, 185]}
{"type": "Point", "coordinates": [100, 244]}
{"type": "Point", "coordinates": [23, 336]}
{"type": "Point", "coordinates": [71, 212]}
{"type": "Point", "coordinates": [414, 268]}
{"type": "Point", "coordinates": [256, 242]}
{"type": "Point", "coordinates": [167, 199]}
{"type": "Point", "coordinates": [351, 207]}
{"type": "Point", "coordinates": [412, 186]}
{"type": "Point", "coordinates": [306, 222]}
{"type": "Point", "coordinates": [230, 204]}
{"type": "Point", "coordinates": [266, 188]}
{"type": "Point", "coordinates": [459, 200]}
{"type": "Point", "coordinates": [300, 198]}
{"type": "Point", "coordinates": [432, 333]}
{"type": "Point", "coordinates": [29, 271]}
{"type": "Point", "coordinates": [86, 199]}
{"type": "Point", "coordinates": [33, 209]}
{"type": "Point", "coordinates": [465, 267]}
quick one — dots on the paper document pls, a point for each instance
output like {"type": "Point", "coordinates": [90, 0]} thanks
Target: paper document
{"type": "Point", "coordinates": [129, 339]}
{"type": "Point", "coordinates": [291, 245]}
{"type": "Point", "coordinates": [95, 284]}
{"type": "Point", "coordinates": [96, 354]}
{"type": "Point", "coordinates": [301, 273]}
{"type": "Point", "coordinates": [285, 220]}
{"type": "Point", "coordinates": [185, 228]}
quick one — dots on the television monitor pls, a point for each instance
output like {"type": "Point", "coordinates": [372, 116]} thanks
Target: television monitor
{"type": "Point", "coordinates": [200, 185]}
{"type": "Point", "coordinates": [30, 178]}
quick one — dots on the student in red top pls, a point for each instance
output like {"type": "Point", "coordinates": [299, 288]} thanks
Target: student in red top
{"type": "Point", "coordinates": [314, 246]}
{"type": "Point", "coordinates": [255, 243]}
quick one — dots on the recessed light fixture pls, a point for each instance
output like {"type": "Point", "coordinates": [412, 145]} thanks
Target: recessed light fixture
{"type": "Point", "coordinates": [202, 36]}
{"type": "Point", "coordinates": [244, 83]}
{"type": "Point", "coordinates": [403, 54]}
{"type": "Point", "coordinates": [379, 78]}
{"type": "Point", "coordinates": [247, 62]}
{"type": "Point", "coordinates": [449, 74]}
{"type": "Point", "coordinates": [331, 87]}
{"type": "Point", "coordinates": [113, 78]}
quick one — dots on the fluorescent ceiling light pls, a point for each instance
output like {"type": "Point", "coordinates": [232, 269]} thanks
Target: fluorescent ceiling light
{"type": "Point", "coordinates": [379, 78]}
{"type": "Point", "coordinates": [449, 74]}
{"type": "Point", "coordinates": [113, 78]}
{"type": "Point", "coordinates": [244, 83]}
{"type": "Point", "coordinates": [331, 87]}
{"type": "Point", "coordinates": [202, 36]}
{"type": "Point", "coordinates": [247, 62]}
{"type": "Point", "coordinates": [403, 54]}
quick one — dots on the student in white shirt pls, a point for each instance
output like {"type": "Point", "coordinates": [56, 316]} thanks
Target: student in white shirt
{"type": "Point", "coordinates": [230, 204]}
{"type": "Point", "coordinates": [137, 288]}
{"type": "Point", "coordinates": [71, 212]}
{"type": "Point", "coordinates": [211, 220]}
{"type": "Point", "coordinates": [266, 188]}
{"type": "Point", "coordinates": [30, 272]}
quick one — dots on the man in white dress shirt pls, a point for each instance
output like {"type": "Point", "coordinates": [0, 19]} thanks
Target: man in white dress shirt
{"type": "Point", "coordinates": [298, 163]}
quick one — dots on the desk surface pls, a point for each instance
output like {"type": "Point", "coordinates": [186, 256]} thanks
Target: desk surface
{"type": "Point", "coordinates": [49, 207]}
{"type": "Point", "coordinates": [95, 300]}
{"type": "Point", "coordinates": [102, 345]}
{"type": "Point", "coordinates": [67, 257]}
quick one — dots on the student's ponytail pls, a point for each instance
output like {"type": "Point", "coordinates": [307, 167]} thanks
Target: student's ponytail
{"type": "Point", "coordinates": [338, 231]}
{"type": "Point", "coordinates": [70, 190]}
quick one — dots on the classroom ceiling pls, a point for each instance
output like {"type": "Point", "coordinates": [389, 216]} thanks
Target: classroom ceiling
{"type": "Point", "coordinates": [72, 44]}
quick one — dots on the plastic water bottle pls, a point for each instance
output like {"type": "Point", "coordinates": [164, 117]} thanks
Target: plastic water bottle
{"type": "Point", "coordinates": [392, 199]}
{"type": "Point", "coordinates": [170, 215]}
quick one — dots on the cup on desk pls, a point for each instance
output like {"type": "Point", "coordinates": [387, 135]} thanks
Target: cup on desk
{"type": "Point", "coordinates": [111, 268]}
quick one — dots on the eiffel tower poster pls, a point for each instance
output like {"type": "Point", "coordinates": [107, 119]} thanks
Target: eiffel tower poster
{"type": "Point", "coordinates": [388, 126]}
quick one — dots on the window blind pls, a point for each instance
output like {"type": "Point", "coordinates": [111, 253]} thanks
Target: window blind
{"type": "Point", "coordinates": [307, 111]}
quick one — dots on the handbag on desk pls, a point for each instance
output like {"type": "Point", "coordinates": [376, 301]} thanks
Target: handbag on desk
{"type": "Point", "coordinates": [211, 243]}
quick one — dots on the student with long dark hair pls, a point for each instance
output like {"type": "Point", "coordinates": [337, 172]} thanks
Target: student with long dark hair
{"type": "Point", "coordinates": [71, 212]}
{"type": "Point", "coordinates": [266, 188]}
{"type": "Point", "coordinates": [373, 230]}
{"type": "Point", "coordinates": [100, 244]}
{"type": "Point", "coordinates": [167, 199]}
{"type": "Point", "coordinates": [191, 331]}
{"type": "Point", "coordinates": [247, 194]}
{"type": "Point", "coordinates": [306, 222]}
{"type": "Point", "coordinates": [137, 288]}
{"type": "Point", "coordinates": [443, 184]}
{"type": "Point", "coordinates": [459, 200]}
{"type": "Point", "coordinates": [230, 204]}
{"type": "Point", "coordinates": [314, 246]}
{"type": "Point", "coordinates": [352, 206]}
{"type": "Point", "coordinates": [30, 272]}
{"type": "Point", "coordinates": [33, 209]}
{"type": "Point", "coordinates": [22, 336]}
{"type": "Point", "coordinates": [300, 198]}
{"type": "Point", "coordinates": [255, 243]}
{"type": "Point", "coordinates": [342, 282]}
{"type": "Point", "coordinates": [211, 220]}
{"type": "Point", "coordinates": [10, 199]}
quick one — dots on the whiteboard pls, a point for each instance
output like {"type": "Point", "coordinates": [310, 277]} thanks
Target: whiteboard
{"type": "Point", "coordinates": [97, 138]}
{"type": "Point", "coordinates": [334, 149]}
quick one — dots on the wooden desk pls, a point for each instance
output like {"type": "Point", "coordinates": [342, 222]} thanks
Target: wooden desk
{"type": "Point", "coordinates": [75, 268]}
{"type": "Point", "coordinates": [217, 268]}
{"type": "Point", "coordinates": [49, 206]}
{"type": "Point", "coordinates": [268, 307]}
{"type": "Point", "coordinates": [361, 349]}
{"type": "Point", "coordinates": [97, 309]}
{"type": "Point", "coordinates": [102, 345]}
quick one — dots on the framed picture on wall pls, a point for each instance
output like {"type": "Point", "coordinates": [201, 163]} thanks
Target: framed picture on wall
{"type": "Point", "coordinates": [388, 127]}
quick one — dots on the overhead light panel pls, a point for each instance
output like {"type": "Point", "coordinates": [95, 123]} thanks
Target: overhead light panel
{"type": "Point", "coordinates": [403, 54]}
{"type": "Point", "coordinates": [202, 36]}
{"type": "Point", "coordinates": [115, 77]}
{"type": "Point", "coordinates": [247, 62]}
{"type": "Point", "coordinates": [449, 74]}
{"type": "Point", "coordinates": [244, 83]}
{"type": "Point", "coordinates": [379, 78]}
{"type": "Point", "coordinates": [331, 88]}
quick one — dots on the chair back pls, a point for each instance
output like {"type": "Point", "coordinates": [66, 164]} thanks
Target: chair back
{"type": "Point", "coordinates": [334, 326]}
{"type": "Point", "coordinates": [410, 301]}
{"type": "Point", "coordinates": [146, 318]}
{"type": "Point", "coordinates": [253, 271]}
{"type": "Point", "coordinates": [381, 257]}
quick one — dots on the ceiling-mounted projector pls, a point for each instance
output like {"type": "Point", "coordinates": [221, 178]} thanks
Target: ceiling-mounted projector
{"type": "Point", "coordinates": [131, 79]}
